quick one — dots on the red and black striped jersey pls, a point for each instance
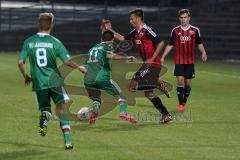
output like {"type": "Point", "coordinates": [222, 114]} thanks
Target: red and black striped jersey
{"type": "Point", "coordinates": [146, 40]}
{"type": "Point", "coordinates": [185, 41]}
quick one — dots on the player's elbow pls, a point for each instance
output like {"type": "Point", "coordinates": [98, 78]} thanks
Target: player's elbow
{"type": "Point", "coordinates": [122, 38]}
{"type": "Point", "coordinates": [20, 63]}
{"type": "Point", "coordinates": [109, 56]}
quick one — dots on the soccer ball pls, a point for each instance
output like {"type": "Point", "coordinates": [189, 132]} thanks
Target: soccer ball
{"type": "Point", "coordinates": [83, 114]}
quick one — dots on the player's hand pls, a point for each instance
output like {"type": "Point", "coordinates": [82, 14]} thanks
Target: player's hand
{"type": "Point", "coordinates": [106, 24]}
{"type": "Point", "coordinates": [204, 57]}
{"type": "Point", "coordinates": [131, 58]}
{"type": "Point", "coordinates": [82, 69]}
{"type": "Point", "coordinates": [27, 79]}
{"type": "Point", "coordinates": [149, 62]}
{"type": "Point", "coordinates": [162, 60]}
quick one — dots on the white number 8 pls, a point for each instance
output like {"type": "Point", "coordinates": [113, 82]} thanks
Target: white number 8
{"type": "Point", "coordinates": [41, 57]}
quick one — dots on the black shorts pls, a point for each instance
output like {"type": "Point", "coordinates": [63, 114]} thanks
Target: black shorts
{"type": "Point", "coordinates": [147, 75]}
{"type": "Point", "coordinates": [185, 70]}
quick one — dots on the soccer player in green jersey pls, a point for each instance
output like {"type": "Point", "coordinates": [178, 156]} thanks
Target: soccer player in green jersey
{"type": "Point", "coordinates": [98, 76]}
{"type": "Point", "coordinates": [43, 50]}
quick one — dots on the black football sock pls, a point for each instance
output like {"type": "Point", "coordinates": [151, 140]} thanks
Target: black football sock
{"type": "Point", "coordinates": [158, 104]}
{"type": "Point", "coordinates": [180, 93]}
{"type": "Point", "coordinates": [187, 91]}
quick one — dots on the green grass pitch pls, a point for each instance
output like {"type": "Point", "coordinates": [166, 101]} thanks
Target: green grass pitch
{"type": "Point", "coordinates": [208, 130]}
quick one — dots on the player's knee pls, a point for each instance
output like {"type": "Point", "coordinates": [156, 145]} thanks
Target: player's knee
{"type": "Point", "coordinates": [180, 84]}
{"type": "Point", "coordinates": [149, 94]}
{"type": "Point", "coordinates": [133, 86]}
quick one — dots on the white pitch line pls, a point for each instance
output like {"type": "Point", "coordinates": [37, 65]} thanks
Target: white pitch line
{"type": "Point", "coordinates": [219, 74]}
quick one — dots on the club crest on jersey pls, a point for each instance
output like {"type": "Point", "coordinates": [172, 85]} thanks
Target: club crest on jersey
{"type": "Point", "coordinates": [137, 41]}
{"type": "Point", "coordinates": [140, 34]}
{"type": "Point", "coordinates": [191, 32]}
{"type": "Point", "coordinates": [183, 39]}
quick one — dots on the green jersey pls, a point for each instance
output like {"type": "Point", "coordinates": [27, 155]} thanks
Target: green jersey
{"type": "Point", "coordinates": [98, 65]}
{"type": "Point", "coordinates": [43, 50]}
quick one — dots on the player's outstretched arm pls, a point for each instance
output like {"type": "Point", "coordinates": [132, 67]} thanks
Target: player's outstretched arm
{"type": "Point", "coordinates": [27, 78]}
{"type": "Point", "coordinates": [108, 26]}
{"type": "Point", "coordinates": [166, 52]}
{"type": "Point", "coordinates": [202, 50]}
{"type": "Point", "coordinates": [73, 65]}
{"type": "Point", "coordinates": [120, 57]}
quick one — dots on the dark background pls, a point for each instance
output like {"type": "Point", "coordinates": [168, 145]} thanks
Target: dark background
{"type": "Point", "coordinates": [77, 22]}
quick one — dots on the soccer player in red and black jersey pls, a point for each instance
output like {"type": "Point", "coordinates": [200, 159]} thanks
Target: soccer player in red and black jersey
{"type": "Point", "coordinates": [149, 46]}
{"type": "Point", "coordinates": [184, 37]}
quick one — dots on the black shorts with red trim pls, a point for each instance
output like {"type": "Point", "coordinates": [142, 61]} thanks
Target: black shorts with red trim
{"type": "Point", "coordinates": [185, 70]}
{"type": "Point", "coordinates": [147, 76]}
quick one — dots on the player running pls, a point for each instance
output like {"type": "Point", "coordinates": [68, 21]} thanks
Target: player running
{"type": "Point", "coordinates": [149, 45]}
{"type": "Point", "coordinates": [184, 37]}
{"type": "Point", "coordinates": [43, 50]}
{"type": "Point", "coordinates": [99, 76]}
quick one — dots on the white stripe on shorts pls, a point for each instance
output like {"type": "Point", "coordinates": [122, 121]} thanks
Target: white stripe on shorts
{"type": "Point", "coordinates": [65, 96]}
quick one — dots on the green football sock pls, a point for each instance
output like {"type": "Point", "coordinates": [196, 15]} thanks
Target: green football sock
{"type": "Point", "coordinates": [95, 105]}
{"type": "Point", "coordinates": [65, 126]}
{"type": "Point", "coordinates": [122, 105]}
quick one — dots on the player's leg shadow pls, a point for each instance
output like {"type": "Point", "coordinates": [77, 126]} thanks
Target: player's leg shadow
{"type": "Point", "coordinates": [23, 154]}
{"type": "Point", "coordinates": [21, 144]}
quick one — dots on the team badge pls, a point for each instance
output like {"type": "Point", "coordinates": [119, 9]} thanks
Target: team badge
{"type": "Point", "coordinates": [191, 32]}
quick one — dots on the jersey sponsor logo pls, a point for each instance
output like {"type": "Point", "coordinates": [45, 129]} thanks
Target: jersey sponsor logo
{"type": "Point", "coordinates": [137, 41]}
{"type": "Point", "coordinates": [183, 39]}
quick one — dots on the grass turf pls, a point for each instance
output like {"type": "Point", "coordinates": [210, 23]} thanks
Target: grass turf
{"type": "Point", "coordinates": [208, 130]}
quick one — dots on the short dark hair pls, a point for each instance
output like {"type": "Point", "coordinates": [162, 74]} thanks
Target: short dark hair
{"type": "Point", "coordinates": [107, 35]}
{"type": "Point", "coordinates": [182, 11]}
{"type": "Point", "coordinates": [137, 12]}
{"type": "Point", "coordinates": [45, 21]}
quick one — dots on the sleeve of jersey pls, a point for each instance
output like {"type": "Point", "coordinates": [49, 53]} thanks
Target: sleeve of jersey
{"type": "Point", "coordinates": [154, 36]}
{"type": "Point", "coordinates": [63, 53]}
{"type": "Point", "coordinates": [172, 38]}
{"type": "Point", "coordinates": [198, 39]}
{"type": "Point", "coordinates": [24, 53]}
{"type": "Point", "coordinates": [109, 48]}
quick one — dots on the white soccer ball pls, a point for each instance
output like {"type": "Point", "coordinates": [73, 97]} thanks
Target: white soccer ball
{"type": "Point", "coordinates": [83, 114]}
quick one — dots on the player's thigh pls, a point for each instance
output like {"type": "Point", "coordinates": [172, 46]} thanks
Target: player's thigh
{"type": "Point", "coordinates": [60, 96]}
{"type": "Point", "coordinates": [189, 71]}
{"type": "Point", "coordinates": [43, 100]}
{"type": "Point", "coordinates": [180, 80]}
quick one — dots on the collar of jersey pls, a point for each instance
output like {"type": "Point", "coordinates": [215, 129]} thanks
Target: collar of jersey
{"type": "Point", "coordinates": [186, 28]}
{"type": "Point", "coordinates": [144, 26]}
{"type": "Point", "coordinates": [42, 34]}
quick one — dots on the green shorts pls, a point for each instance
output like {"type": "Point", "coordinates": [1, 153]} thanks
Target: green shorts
{"type": "Point", "coordinates": [43, 98]}
{"type": "Point", "coordinates": [111, 87]}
